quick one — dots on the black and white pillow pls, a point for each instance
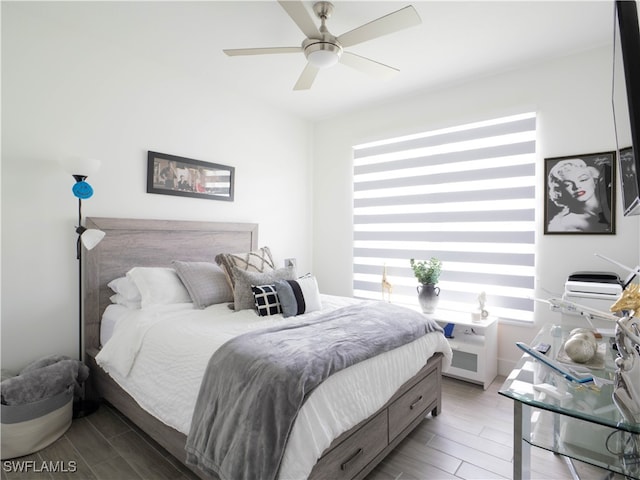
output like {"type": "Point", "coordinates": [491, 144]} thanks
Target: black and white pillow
{"type": "Point", "coordinates": [266, 300]}
{"type": "Point", "coordinates": [298, 296]}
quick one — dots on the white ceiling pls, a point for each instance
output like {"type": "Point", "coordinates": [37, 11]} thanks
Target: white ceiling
{"type": "Point", "coordinates": [456, 42]}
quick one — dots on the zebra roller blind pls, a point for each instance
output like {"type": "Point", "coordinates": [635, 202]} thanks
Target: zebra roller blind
{"type": "Point", "coordinates": [465, 195]}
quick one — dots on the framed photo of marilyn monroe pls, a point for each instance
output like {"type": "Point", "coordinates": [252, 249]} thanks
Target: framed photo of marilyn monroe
{"type": "Point", "coordinates": [580, 194]}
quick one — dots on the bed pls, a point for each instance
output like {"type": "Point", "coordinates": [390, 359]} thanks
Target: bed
{"type": "Point", "coordinates": [351, 453]}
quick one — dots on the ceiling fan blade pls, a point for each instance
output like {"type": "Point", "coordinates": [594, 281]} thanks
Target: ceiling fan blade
{"type": "Point", "coordinates": [301, 17]}
{"type": "Point", "coordinates": [366, 65]}
{"type": "Point", "coordinates": [307, 77]}
{"type": "Point", "coordinates": [232, 52]}
{"type": "Point", "coordinates": [404, 18]}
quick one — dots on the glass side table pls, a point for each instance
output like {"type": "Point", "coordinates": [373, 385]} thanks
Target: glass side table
{"type": "Point", "coordinates": [577, 421]}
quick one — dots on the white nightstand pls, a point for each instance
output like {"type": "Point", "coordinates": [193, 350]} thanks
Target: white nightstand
{"type": "Point", "coordinates": [475, 346]}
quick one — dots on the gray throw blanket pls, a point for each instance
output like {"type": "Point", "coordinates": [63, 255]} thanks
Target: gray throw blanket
{"type": "Point", "coordinates": [44, 378]}
{"type": "Point", "coordinates": [256, 383]}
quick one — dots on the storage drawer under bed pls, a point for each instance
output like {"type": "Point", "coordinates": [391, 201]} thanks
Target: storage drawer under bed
{"type": "Point", "coordinates": [420, 398]}
{"type": "Point", "coordinates": [352, 455]}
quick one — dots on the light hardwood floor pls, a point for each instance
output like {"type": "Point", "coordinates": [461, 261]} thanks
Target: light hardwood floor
{"type": "Point", "coordinates": [470, 439]}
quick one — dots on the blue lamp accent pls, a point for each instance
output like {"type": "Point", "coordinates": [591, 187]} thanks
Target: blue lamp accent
{"type": "Point", "coordinates": [87, 237]}
{"type": "Point", "coordinates": [82, 190]}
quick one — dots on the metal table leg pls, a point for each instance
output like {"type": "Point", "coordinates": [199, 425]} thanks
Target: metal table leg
{"type": "Point", "coordinates": [521, 449]}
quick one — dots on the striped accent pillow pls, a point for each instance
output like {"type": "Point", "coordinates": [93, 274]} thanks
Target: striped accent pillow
{"type": "Point", "coordinates": [298, 296]}
{"type": "Point", "coordinates": [266, 300]}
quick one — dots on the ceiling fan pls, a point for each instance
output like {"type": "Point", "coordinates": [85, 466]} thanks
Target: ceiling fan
{"type": "Point", "coordinates": [323, 50]}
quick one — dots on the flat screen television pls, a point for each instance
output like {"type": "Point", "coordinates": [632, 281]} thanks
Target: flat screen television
{"type": "Point", "coordinates": [626, 102]}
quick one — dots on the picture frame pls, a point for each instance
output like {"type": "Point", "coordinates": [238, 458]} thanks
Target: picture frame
{"type": "Point", "coordinates": [629, 181]}
{"type": "Point", "coordinates": [580, 194]}
{"type": "Point", "coordinates": [187, 177]}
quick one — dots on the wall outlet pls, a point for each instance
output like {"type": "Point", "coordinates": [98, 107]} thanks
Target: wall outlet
{"type": "Point", "coordinates": [290, 262]}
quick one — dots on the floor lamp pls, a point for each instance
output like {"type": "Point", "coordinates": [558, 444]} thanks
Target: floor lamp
{"type": "Point", "coordinates": [87, 238]}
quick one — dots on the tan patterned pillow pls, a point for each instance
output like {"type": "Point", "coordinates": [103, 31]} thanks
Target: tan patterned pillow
{"type": "Point", "coordinates": [259, 261]}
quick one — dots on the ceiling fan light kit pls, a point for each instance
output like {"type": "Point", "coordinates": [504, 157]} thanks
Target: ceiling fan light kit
{"type": "Point", "coordinates": [323, 50]}
{"type": "Point", "coordinates": [322, 54]}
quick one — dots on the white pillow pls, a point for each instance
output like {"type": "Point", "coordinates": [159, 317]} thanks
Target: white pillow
{"type": "Point", "coordinates": [120, 299]}
{"type": "Point", "coordinates": [158, 286]}
{"type": "Point", "coordinates": [125, 287]}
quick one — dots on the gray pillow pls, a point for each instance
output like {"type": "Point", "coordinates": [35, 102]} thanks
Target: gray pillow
{"type": "Point", "coordinates": [298, 296]}
{"type": "Point", "coordinates": [243, 295]}
{"type": "Point", "coordinates": [206, 283]}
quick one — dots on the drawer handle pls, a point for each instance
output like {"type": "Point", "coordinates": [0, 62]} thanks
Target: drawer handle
{"type": "Point", "coordinates": [345, 465]}
{"type": "Point", "coordinates": [415, 404]}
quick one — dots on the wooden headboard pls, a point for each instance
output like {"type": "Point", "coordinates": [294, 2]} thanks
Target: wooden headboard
{"type": "Point", "coordinates": [150, 243]}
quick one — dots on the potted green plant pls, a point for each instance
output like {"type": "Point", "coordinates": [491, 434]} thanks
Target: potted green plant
{"type": "Point", "coordinates": [428, 273]}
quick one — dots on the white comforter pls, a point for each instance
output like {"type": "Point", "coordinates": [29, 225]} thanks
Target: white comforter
{"type": "Point", "coordinates": [159, 356]}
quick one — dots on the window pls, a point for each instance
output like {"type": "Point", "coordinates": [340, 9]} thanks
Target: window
{"type": "Point", "coordinates": [465, 195]}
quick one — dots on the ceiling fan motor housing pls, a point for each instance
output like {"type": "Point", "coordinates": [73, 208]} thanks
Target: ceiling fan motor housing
{"type": "Point", "coordinates": [325, 51]}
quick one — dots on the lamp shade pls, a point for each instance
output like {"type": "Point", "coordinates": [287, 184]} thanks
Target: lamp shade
{"type": "Point", "coordinates": [80, 165]}
{"type": "Point", "coordinates": [90, 237]}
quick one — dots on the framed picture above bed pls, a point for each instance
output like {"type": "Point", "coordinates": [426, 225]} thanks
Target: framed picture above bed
{"type": "Point", "coordinates": [580, 194]}
{"type": "Point", "coordinates": [186, 177]}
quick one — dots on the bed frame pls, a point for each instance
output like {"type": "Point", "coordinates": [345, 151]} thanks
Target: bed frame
{"type": "Point", "coordinates": [132, 242]}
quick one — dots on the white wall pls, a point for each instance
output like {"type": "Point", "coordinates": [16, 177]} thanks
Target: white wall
{"type": "Point", "coordinates": [65, 95]}
{"type": "Point", "coordinates": [572, 97]}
